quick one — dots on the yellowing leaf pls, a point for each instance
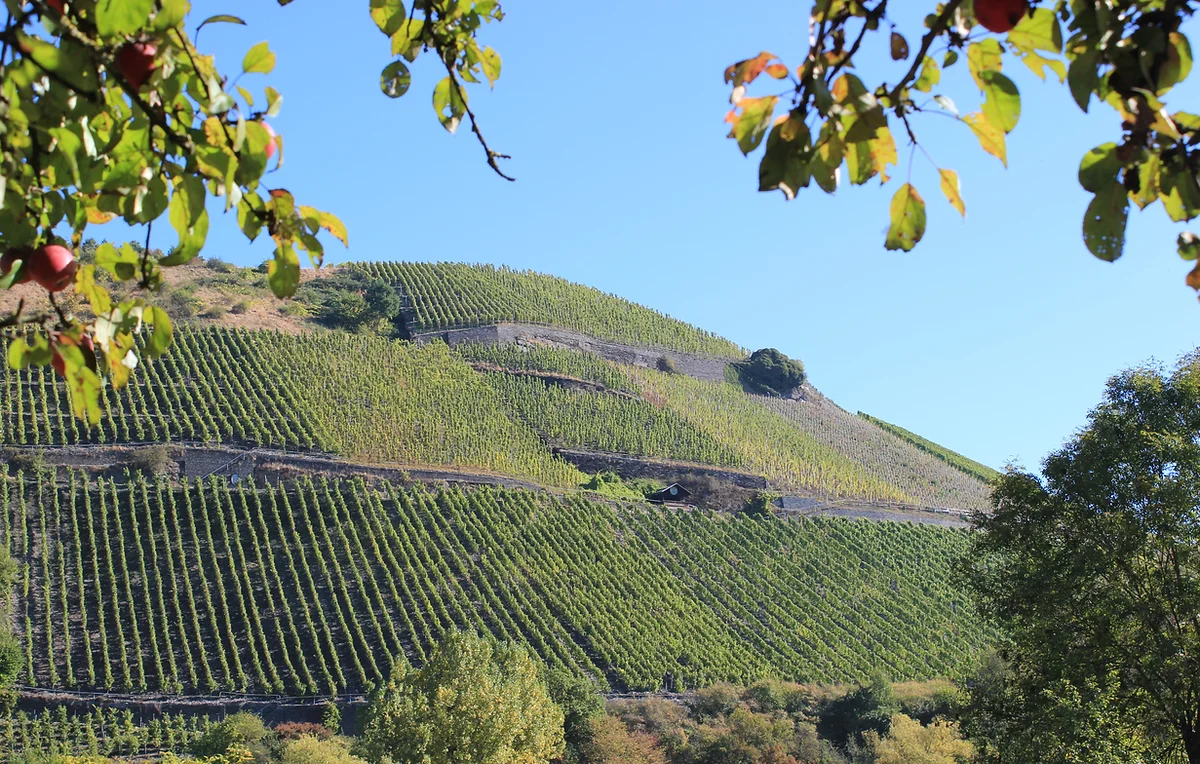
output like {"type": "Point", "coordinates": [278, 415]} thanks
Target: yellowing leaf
{"type": "Point", "coordinates": [985, 56]}
{"type": "Point", "coordinates": [259, 59]}
{"type": "Point", "coordinates": [991, 138]}
{"type": "Point", "coordinates": [883, 151]}
{"type": "Point", "coordinates": [755, 120]}
{"type": "Point", "coordinates": [952, 191]}
{"type": "Point", "coordinates": [907, 219]}
{"type": "Point", "coordinates": [1038, 31]}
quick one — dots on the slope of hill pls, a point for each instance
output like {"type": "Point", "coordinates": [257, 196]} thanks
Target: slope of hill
{"type": "Point", "coordinates": [954, 459]}
{"type": "Point", "coordinates": [318, 586]}
{"type": "Point", "coordinates": [455, 295]}
{"type": "Point", "coordinates": [374, 400]}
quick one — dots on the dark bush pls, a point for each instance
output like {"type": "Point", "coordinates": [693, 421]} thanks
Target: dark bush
{"type": "Point", "coordinates": [666, 364]}
{"type": "Point", "coordinates": [770, 372]}
{"type": "Point", "coordinates": [239, 307]}
{"type": "Point", "coordinates": [151, 460]}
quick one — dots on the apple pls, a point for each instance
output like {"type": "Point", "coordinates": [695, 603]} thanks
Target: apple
{"type": "Point", "coordinates": [1000, 15]}
{"type": "Point", "coordinates": [57, 5]}
{"type": "Point", "coordinates": [12, 255]}
{"type": "Point", "coordinates": [135, 62]}
{"type": "Point", "coordinates": [271, 143]}
{"type": "Point", "coordinates": [52, 266]}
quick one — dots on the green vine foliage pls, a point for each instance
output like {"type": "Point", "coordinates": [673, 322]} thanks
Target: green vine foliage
{"type": "Point", "coordinates": [108, 109]}
{"type": "Point", "coordinates": [835, 123]}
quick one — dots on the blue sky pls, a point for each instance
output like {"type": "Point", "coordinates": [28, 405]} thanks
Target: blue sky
{"type": "Point", "coordinates": [994, 336]}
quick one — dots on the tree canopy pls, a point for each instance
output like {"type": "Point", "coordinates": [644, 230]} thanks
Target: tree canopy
{"type": "Point", "coordinates": [1093, 571]}
{"type": "Point", "coordinates": [770, 371]}
{"type": "Point", "coordinates": [470, 702]}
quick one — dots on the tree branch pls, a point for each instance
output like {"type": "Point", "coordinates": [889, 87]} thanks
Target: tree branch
{"type": "Point", "coordinates": [492, 156]}
{"type": "Point", "coordinates": [934, 32]}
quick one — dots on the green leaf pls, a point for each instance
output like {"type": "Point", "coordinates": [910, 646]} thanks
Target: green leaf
{"type": "Point", "coordinates": [274, 102]}
{"type": "Point", "coordinates": [953, 192]}
{"type": "Point", "coordinates": [220, 18]}
{"type": "Point", "coordinates": [97, 296]}
{"type": "Point", "coordinates": [1147, 192]}
{"type": "Point", "coordinates": [908, 219]}
{"type": "Point", "coordinates": [395, 79]}
{"type": "Point", "coordinates": [931, 74]}
{"type": "Point", "coordinates": [1178, 64]}
{"type": "Point", "coordinates": [336, 228]}
{"type": "Point", "coordinates": [1083, 77]}
{"type": "Point", "coordinates": [83, 388]}
{"type": "Point", "coordinates": [1099, 168]}
{"type": "Point", "coordinates": [1038, 31]}
{"type": "Point", "coordinates": [283, 272]}
{"type": "Point", "coordinates": [259, 59]}
{"type": "Point", "coordinates": [1179, 192]}
{"type": "Point", "coordinates": [22, 353]}
{"type": "Point", "coordinates": [161, 331]}
{"type": "Point", "coordinates": [754, 122]}
{"type": "Point", "coordinates": [407, 41]}
{"type": "Point", "coordinates": [991, 138]}
{"type": "Point", "coordinates": [783, 166]}
{"type": "Point", "coordinates": [1002, 105]}
{"type": "Point", "coordinates": [189, 218]}
{"type": "Point", "coordinates": [171, 14]}
{"type": "Point", "coordinates": [1189, 245]}
{"type": "Point", "coordinates": [985, 56]}
{"type": "Point", "coordinates": [117, 18]}
{"type": "Point", "coordinates": [489, 60]}
{"type": "Point", "coordinates": [121, 263]}
{"type": "Point", "coordinates": [388, 15]}
{"type": "Point", "coordinates": [448, 103]}
{"type": "Point", "coordinates": [1104, 222]}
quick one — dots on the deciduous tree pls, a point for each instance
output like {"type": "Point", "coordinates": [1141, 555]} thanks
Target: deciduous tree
{"type": "Point", "coordinates": [1094, 570]}
{"type": "Point", "coordinates": [470, 702]}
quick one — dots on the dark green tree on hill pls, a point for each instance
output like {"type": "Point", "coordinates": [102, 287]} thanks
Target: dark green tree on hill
{"type": "Point", "coordinates": [1094, 570]}
{"type": "Point", "coordinates": [770, 372]}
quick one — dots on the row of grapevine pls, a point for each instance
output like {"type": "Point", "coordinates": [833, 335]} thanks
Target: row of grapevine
{"type": "Point", "coordinates": [362, 397]}
{"type": "Point", "coordinates": [557, 361]}
{"type": "Point", "coordinates": [603, 422]}
{"type": "Point", "coordinates": [929, 480]}
{"type": "Point", "coordinates": [954, 459]}
{"type": "Point", "coordinates": [100, 732]}
{"type": "Point", "coordinates": [321, 587]}
{"type": "Point", "coordinates": [456, 295]}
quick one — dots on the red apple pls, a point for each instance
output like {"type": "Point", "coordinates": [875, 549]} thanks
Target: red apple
{"type": "Point", "coordinates": [270, 143]}
{"type": "Point", "coordinates": [1000, 15]}
{"type": "Point", "coordinates": [12, 255]}
{"type": "Point", "coordinates": [56, 5]}
{"type": "Point", "coordinates": [52, 266]}
{"type": "Point", "coordinates": [135, 62]}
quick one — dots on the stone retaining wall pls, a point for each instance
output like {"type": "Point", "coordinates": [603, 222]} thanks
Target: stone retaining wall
{"type": "Point", "coordinates": [693, 365]}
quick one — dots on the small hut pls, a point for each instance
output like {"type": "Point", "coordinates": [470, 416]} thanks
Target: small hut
{"type": "Point", "coordinates": [672, 494]}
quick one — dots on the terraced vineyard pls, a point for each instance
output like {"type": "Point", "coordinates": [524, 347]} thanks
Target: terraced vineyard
{"type": "Point", "coordinates": [456, 295]}
{"type": "Point", "coordinates": [364, 398]}
{"type": "Point", "coordinates": [319, 586]}
{"type": "Point", "coordinates": [956, 460]}
{"type": "Point", "coordinates": [102, 732]}
{"type": "Point", "coordinates": [380, 401]}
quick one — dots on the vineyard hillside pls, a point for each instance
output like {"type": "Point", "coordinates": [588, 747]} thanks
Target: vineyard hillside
{"type": "Point", "coordinates": [322, 586]}
{"type": "Point", "coordinates": [389, 487]}
{"type": "Point", "coordinates": [502, 410]}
